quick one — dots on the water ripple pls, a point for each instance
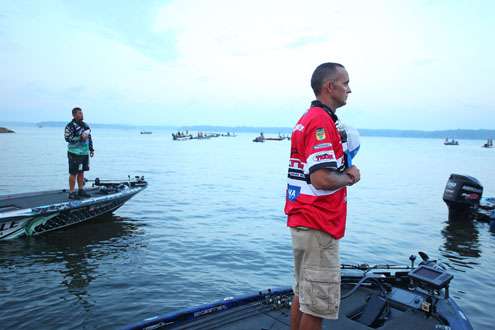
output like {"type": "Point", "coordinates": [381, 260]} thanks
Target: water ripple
{"type": "Point", "coordinates": [215, 228]}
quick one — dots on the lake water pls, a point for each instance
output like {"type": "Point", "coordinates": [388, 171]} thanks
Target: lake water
{"type": "Point", "coordinates": [211, 225]}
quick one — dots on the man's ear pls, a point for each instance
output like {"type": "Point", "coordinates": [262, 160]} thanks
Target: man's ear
{"type": "Point", "coordinates": [330, 85]}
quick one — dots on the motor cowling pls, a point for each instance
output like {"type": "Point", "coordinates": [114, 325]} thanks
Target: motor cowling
{"type": "Point", "coordinates": [462, 195]}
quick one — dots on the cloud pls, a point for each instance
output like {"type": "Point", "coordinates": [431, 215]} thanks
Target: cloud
{"type": "Point", "coordinates": [246, 63]}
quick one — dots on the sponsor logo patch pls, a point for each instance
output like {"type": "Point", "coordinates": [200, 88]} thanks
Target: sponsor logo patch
{"type": "Point", "coordinates": [320, 134]}
{"type": "Point", "coordinates": [293, 192]}
{"type": "Point", "coordinates": [322, 145]}
{"type": "Point", "coordinates": [296, 164]}
{"type": "Point", "coordinates": [319, 158]}
{"type": "Point", "coordinates": [323, 156]}
{"type": "Point", "coordinates": [297, 175]}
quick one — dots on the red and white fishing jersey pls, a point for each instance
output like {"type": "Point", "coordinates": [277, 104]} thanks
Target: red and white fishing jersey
{"type": "Point", "coordinates": [316, 144]}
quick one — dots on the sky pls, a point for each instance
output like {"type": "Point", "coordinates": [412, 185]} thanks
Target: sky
{"type": "Point", "coordinates": [424, 65]}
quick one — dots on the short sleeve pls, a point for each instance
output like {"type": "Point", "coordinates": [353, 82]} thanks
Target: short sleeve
{"type": "Point", "coordinates": [320, 141]}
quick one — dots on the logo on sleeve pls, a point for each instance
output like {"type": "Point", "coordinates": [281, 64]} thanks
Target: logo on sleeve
{"type": "Point", "coordinates": [322, 156]}
{"type": "Point", "coordinates": [320, 134]}
{"type": "Point", "coordinates": [322, 145]}
{"type": "Point", "coordinates": [293, 192]}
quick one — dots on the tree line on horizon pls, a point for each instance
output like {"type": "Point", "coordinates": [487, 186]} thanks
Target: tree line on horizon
{"type": "Point", "coordinates": [479, 134]}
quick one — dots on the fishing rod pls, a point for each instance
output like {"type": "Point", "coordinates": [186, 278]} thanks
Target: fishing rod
{"type": "Point", "coordinates": [366, 267]}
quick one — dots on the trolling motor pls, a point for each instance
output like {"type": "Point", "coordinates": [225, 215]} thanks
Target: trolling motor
{"type": "Point", "coordinates": [462, 195]}
{"type": "Point", "coordinates": [109, 186]}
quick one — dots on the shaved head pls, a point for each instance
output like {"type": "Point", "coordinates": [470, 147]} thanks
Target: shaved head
{"type": "Point", "coordinates": [323, 73]}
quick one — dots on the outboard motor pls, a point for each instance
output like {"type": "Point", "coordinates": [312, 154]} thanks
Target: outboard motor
{"type": "Point", "coordinates": [462, 195]}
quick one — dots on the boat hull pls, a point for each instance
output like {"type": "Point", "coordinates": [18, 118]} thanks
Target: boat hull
{"type": "Point", "coordinates": [39, 219]}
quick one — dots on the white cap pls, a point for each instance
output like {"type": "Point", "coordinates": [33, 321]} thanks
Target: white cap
{"type": "Point", "coordinates": [351, 148]}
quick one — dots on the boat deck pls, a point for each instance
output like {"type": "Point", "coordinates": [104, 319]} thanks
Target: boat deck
{"type": "Point", "coordinates": [275, 316]}
{"type": "Point", "coordinates": [280, 320]}
{"type": "Point", "coordinates": [31, 200]}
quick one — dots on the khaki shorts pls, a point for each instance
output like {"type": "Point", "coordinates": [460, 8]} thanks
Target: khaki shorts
{"type": "Point", "coordinates": [317, 272]}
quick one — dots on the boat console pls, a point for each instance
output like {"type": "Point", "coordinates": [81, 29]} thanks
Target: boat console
{"type": "Point", "coordinates": [422, 290]}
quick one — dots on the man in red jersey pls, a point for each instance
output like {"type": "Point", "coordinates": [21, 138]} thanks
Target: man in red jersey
{"type": "Point", "coordinates": [316, 203]}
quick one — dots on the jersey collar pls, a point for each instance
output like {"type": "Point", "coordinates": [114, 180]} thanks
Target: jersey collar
{"type": "Point", "coordinates": [327, 109]}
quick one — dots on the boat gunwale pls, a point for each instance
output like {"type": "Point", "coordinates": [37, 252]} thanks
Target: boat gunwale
{"type": "Point", "coordinates": [67, 205]}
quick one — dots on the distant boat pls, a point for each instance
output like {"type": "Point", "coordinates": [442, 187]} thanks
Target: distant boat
{"type": "Point", "coordinates": [229, 135]}
{"type": "Point", "coordinates": [452, 142]}
{"type": "Point", "coordinates": [488, 144]}
{"type": "Point", "coordinates": [262, 138]}
{"type": "Point", "coordinates": [180, 136]}
{"type": "Point", "coordinates": [146, 132]}
{"type": "Point", "coordinates": [6, 130]}
{"type": "Point", "coordinates": [201, 137]}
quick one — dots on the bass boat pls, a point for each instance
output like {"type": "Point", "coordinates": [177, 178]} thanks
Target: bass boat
{"type": "Point", "coordinates": [30, 214]}
{"type": "Point", "coordinates": [372, 297]}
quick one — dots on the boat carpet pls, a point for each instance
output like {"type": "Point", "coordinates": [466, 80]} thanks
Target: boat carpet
{"type": "Point", "coordinates": [30, 200]}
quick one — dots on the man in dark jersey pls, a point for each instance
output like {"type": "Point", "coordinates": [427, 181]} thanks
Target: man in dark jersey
{"type": "Point", "coordinates": [79, 148]}
{"type": "Point", "coordinates": [316, 203]}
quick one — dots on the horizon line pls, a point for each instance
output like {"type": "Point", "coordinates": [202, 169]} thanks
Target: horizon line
{"type": "Point", "coordinates": [236, 126]}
